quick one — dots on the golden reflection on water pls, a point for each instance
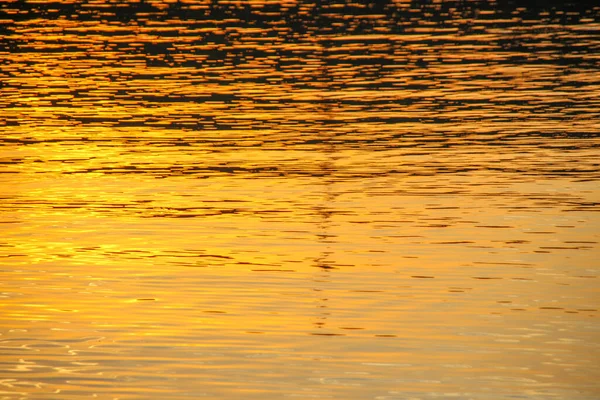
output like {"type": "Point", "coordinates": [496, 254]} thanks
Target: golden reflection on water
{"type": "Point", "coordinates": [258, 199]}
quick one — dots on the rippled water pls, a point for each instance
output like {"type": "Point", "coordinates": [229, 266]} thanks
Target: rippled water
{"type": "Point", "coordinates": [299, 199]}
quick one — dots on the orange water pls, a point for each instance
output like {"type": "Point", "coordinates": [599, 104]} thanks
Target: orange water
{"type": "Point", "coordinates": [268, 200]}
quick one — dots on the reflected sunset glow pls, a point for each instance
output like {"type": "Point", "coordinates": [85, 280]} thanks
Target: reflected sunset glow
{"type": "Point", "coordinates": [273, 199]}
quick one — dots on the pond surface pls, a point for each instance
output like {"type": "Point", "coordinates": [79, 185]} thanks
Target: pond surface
{"type": "Point", "coordinates": [299, 199]}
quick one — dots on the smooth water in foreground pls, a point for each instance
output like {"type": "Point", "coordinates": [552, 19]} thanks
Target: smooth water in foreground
{"type": "Point", "coordinates": [299, 199]}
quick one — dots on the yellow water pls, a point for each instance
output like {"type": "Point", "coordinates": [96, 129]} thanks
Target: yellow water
{"type": "Point", "coordinates": [268, 200]}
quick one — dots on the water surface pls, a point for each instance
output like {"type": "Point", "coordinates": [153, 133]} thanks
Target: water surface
{"type": "Point", "coordinates": [299, 199]}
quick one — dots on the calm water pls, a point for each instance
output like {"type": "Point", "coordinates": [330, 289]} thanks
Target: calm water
{"type": "Point", "coordinates": [299, 199]}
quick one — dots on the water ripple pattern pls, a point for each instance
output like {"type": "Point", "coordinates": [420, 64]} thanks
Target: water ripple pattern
{"type": "Point", "coordinates": [255, 199]}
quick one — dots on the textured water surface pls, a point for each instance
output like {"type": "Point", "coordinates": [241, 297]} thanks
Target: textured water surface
{"type": "Point", "coordinates": [299, 199]}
